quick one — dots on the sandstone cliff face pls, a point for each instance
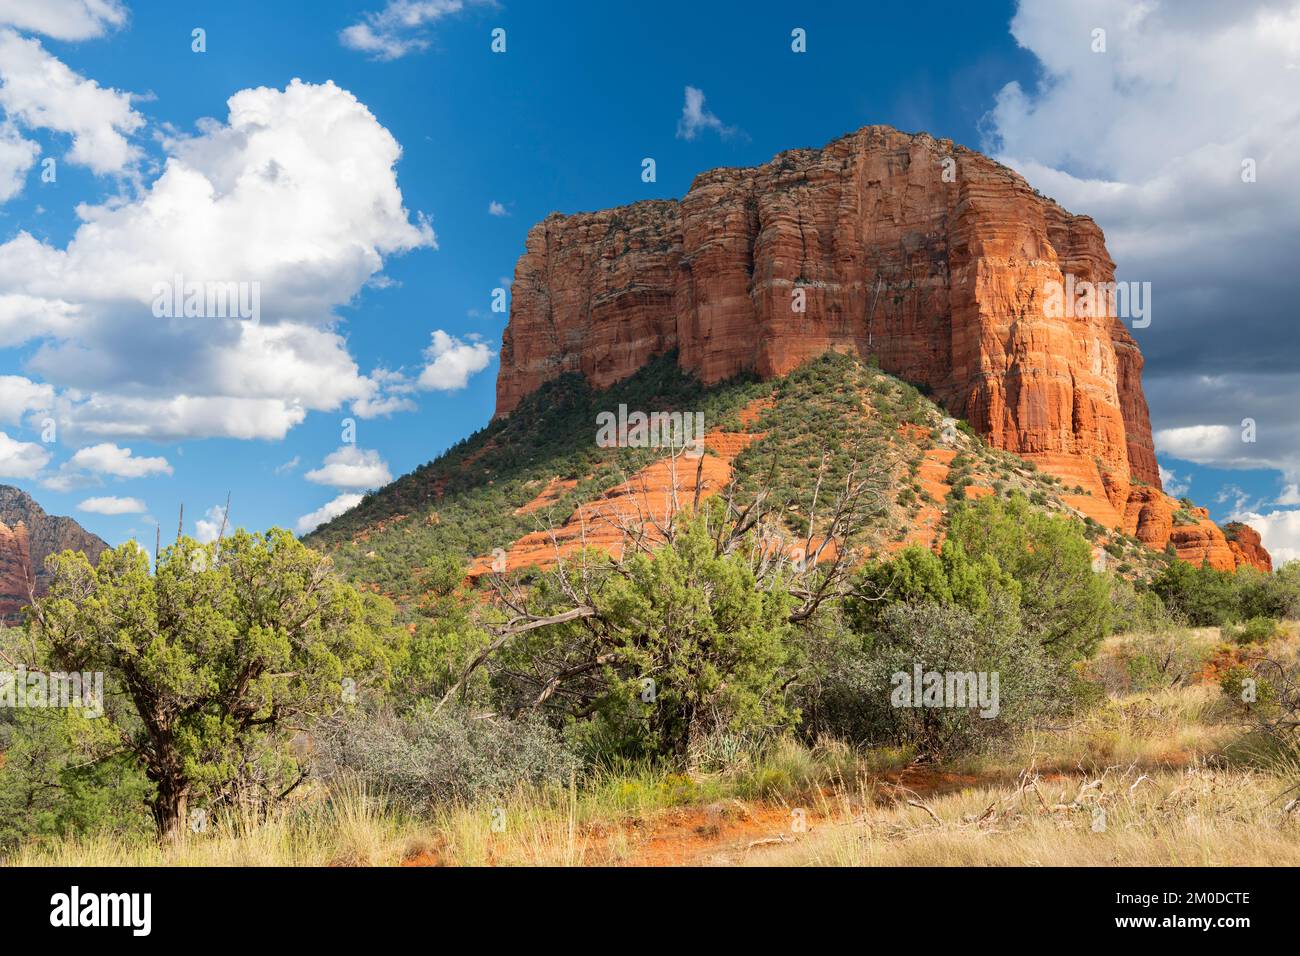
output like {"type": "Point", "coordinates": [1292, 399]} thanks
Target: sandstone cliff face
{"type": "Point", "coordinates": [1246, 548]}
{"type": "Point", "coordinates": [27, 537]}
{"type": "Point", "coordinates": [1149, 516]}
{"type": "Point", "coordinates": [942, 279]}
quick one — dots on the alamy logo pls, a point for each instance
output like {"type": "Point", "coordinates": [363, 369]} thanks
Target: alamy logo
{"type": "Point", "coordinates": [671, 430]}
{"type": "Point", "coordinates": [103, 909]}
{"type": "Point", "coordinates": [24, 689]}
{"type": "Point", "coordinates": [1082, 298]}
{"type": "Point", "coordinates": [951, 689]}
{"type": "Point", "coordinates": [207, 300]}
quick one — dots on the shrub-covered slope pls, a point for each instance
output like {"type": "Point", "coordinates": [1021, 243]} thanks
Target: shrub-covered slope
{"type": "Point", "coordinates": [823, 419]}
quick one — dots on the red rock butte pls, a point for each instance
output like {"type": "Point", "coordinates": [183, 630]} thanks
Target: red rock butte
{"type": "Point", "coordinates": [932, 259]}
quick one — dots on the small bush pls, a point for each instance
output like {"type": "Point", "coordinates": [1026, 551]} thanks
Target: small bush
{"type": "Point", "coordinates": [1250, 692]}
{"type": "Point", "coordinates": [1257, 630]}
{"type": "Point", "coordinates": [428, 758]}
{"type": "Point", "coordinates": [861, 701]}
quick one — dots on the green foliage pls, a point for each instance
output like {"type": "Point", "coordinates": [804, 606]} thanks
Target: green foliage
{"type": "Point", "coordinates": [917, 575]}
{"type": "Point", "coordinates": [1011, 591]}
{"type": "Point", "coordinates": [424, 758]}
{"type": "Point", "coordinates": [817, 427]}
{"type": "Point", "coordinates": [211, 661]}
{"type": "Point", "coordinates": [1063, 603]}
{"type": "Point", "coordinates": [1274, 595]}
{"type": "Point", "coordinates": [1136, 610]}
{"type": "Point", "coordinates": [60, 772]}
{"type": "Point", "coordinates": [1204, 596]}
{"type": "Point", "coordinates": [446, 636]}
{"type": "Point", "coordinates": [861, 701]}
{"type": "Point", "coordinates": [686, 645]}
{"type": "Point", "coordinates": [1251, 692]}
{"type": "Point", "coordinates": [1256, 630]}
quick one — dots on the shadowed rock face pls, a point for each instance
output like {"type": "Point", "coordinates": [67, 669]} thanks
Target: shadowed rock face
{"type": "Point", "coordinates": [941, 279]}
{"type": "Point", "coordinates": [27, 537]}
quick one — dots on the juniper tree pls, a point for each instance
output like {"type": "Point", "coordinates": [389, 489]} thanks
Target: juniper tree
{"type": "Point", "coordinates": [213, 661]}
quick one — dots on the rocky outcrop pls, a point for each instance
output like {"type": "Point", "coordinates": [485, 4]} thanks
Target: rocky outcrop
{"type": "Point", "coordinates": [1199, 541]}
{"type": "Point", "coordinates": [1159, 521]}
{"type": "Point", "coordinates": [27, 537]}
{"type": "Point", "coordinates": [926, 257]}
{"type": "Point", "coordinates": [929, 257]}
{"type": "Point", "coordinates": [1246, 547]}
{"type": "Point", "coordinates": [16, 576]}
{"type": "Point", "coordinates": [1149, 517]}
{"type": "Point", "coordinates": [630, 510]}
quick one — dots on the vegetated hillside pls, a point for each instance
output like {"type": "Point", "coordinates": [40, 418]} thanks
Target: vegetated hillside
{"type": "Point", "coordinates": [530, 472]}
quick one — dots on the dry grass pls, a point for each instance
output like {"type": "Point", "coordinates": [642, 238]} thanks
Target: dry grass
{"type": "Point", "coordinates": [351, 829]}
{"type": "Point", "coordinates": [1199, 816]}
{"type": "Point", "coordinates": [1169, 771]}
{"type": "Point", "coordinates": [1162, 728]}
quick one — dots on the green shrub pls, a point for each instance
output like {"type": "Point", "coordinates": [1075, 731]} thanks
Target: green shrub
{"type": "Point", "coordinates": [1250, 691]}
{"type": "Point", "coordinates": [868, 699]}
{"type": "Point", "coordinates": [1257, 630]}
{"type": "Point", "coordinates": [424, 759]}
{"type": "Point", "coordinates": [1203, 596]}
{"type": "Point", "coordinates": [1062, 601]}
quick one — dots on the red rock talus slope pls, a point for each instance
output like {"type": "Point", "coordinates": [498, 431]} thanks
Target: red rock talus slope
{"type": "Point", "coordinates": [927, 256]}
{"type": "Point", "coordinates": [653, 494]}
{"type": "Point", "coordinates": [27, 537]}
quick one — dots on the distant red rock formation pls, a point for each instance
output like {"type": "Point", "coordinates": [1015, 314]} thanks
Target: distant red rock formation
{"type": "Point", "coordinates": [16, 573]}
{"type": "Point", "coordinates": [27, 537]}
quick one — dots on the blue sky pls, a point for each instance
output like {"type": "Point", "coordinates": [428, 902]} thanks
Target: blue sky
{"type": "Point", "coordinates": [558, 122]}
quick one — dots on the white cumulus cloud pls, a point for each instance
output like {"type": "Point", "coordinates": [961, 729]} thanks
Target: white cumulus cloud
{"type": "Point", "coordinates": [39, 91]}
{"type": "Point", "coordinates": [208, 527]}
{"type": "Point", "coordinates": [64, 19]}
{"type": "Point", "coordinates": [1173, 484]}
{"type": "Point", "coordinates": [21, 459]}
{"type": "Point", "coordinates": [110, 505]}
{"type": "Point", "coordinates": [450, 362]}
{"type": "Point", "coordinates": [110, 459]}
{"type": "Point", "coordinates": [390, 394]}
{"type": "Point", "coordinates": [696, 116]}
{"type": "Point", "coordinates": [296, 192]}
{"type": "Point", "coordinates": [19, 395]}
{"type": "Point", "coordinates": [351, 467]}
{"type": "Point", "coordinates": [1290, 495]}
{"type": "Point", "coordinates": [328, 512]}
{"type": "Point", "coordinates": [399, 28]}
{"type": "Point", "coordinates": [17, 155]}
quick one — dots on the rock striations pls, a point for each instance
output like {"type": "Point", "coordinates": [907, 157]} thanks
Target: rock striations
{"type": "Point", "coordinates": [27, 537]}
{"type": "Point", "coordinates": [929, 258]}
